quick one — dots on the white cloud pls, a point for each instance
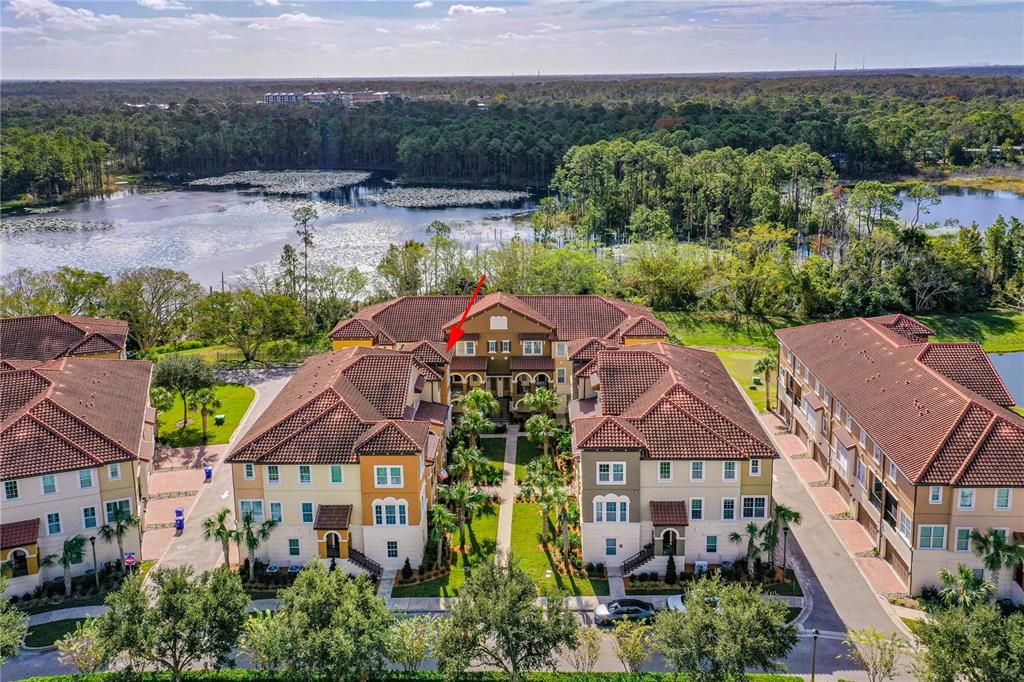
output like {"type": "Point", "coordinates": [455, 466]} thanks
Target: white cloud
{"type": "Point", "coordinates": [381, 30]}
{"type": "Point", "coordinates": [60, 17]}
{"type": "Point", "coordinates": [162, 5]}
{"type": "Point", "coordinates": [545, 27]}
{"type": "Point", "coordinates": [428, 27]}
{"type": "Point", "coordinates": [426, 4]}
{"type": "Point", "coordinates": [272, 3]}
{"type": "Point", "coordinates": [217, 35]}
{"type": "Point", "coordinates": [456, 10]}
{"type": "Point", "coordinates": [260, 27]}
{"type": "Point", "coordinates": [299, 18]}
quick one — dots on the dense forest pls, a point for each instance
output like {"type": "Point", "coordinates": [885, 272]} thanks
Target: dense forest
{"type": "Point", "coordinates": [864, 125]}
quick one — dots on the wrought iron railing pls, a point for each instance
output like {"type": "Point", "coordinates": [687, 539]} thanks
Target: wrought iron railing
{"type": "Point", "coordinates": [638, 559]}
{"type": "Point", "coordinates": [365, 562]}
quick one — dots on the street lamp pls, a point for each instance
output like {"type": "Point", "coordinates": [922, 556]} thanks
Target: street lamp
{"type": "Point", "coordinates": [785, 542]}
{"type": "Point", "coordinates": [95, 571]}
{"type": "Point", "coordinates": [814, 651]}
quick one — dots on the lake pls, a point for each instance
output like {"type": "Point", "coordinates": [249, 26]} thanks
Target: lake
{"type": "Point", "coordinates": [967, 204]}
{"type": "Point", "coordinates": [1011, 368]}
{"type": "Point", "coordinates": [206, 233]}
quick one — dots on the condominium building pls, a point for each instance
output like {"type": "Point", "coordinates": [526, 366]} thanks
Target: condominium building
{"type": "Point", "coordinates": [76, 444]}
{"type": "Point", "coordinates": [671, 456]}
{"type": "Point", "coordinates": [345, 459]}
{"type": "Point", "coordinates": [46, 337]}
{"type": "Point", "coordinates": [915, 436]}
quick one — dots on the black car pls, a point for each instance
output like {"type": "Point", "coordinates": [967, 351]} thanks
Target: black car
{"type": "Point", "coordinates": [623, 609]}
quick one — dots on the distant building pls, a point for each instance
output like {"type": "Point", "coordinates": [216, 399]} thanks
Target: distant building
{"type": "Point", "coordinates": [281, 98]}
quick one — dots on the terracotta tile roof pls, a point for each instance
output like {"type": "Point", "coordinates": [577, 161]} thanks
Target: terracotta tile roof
{"type": "Point", "coordinates": [905, 326]}
{"type": "Point", "coordinates": [680, 401]}
{"type": "Point", "coordinates": [19, 533]}
{"type": "Point", "coordinates": [72, 413]}
{"type": "Point", "coordinates": [587, 349]}
{"type": "Point", "coordinates": [436, 413]}
{"type": "Point", "coordinates": [639, 327]}
{"type": "Point", "coordinates": [936, 429]}
{"type": "Point", "coordinates": [468, 363]}
{"type": "Point", "coordinates": [531, 363]}
{"type": "Point", "coordinates": [45, 337]}
{"type": "Point", "coordinates": [332, 517]}
{"type": "Point", "coordinates": [417, 318]}
{"type": "Point", "coordinates": [608, 433]}
{"type": "Point", "coordinates": [665, 513]}
{"type": "Point", "coordinates": [337, 406]}
{"type": "Point", "coordinates": [430, 352]}
{"type": "Point", "coordinates": [967, 365]}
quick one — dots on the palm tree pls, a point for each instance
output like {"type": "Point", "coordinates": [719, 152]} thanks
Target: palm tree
{"type": "Point", "coordinates": [251, 535]}
{"type": "Point", "coordinates": [765, 365]}
{"type": "Point", "coordinates": [560, 500]}
{"type": "Point", "coordinates": [480, 400]}
{"type": "Point", "coordinates": [473, 423]}
{"type": "Point", "coordinates": [162, 401]}
{"type": "Point", "coordinates": [542, 401]}
{"type": "Point", "coordinates": [466, 459]}
{"type": "Point", "coordinates": [466, 500]}
{"type": "Point", "coordinates": [442, 525]}
{"type": "Point", "coordinates": [72, 552]}
{"type": "Point", "coordinates": [542, 429]}
{"type": "Point", "coordinates": [216, 528]}
{"type": "Point", "coordinates": [204, 400]}
{"type": "Point", "coordinates": [782, 516]}
{"type": "Point", "coordinates": [996, 552]}
{"type": "Point", "coordinates": [965, 588]}
{"type": "Point", "coordinates": [539, 482]}
{"type": "Point", "coordinates": [117, 528]}
{"type": "Point", "coordinates": [752, 533]}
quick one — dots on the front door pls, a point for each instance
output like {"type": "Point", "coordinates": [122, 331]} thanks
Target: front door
{"type": "Point", "coordinates": [668, 542]}
{"type": "Point", "coordinates": [19, 563]}
{"type": "Point", "coordinates": [333, 546]}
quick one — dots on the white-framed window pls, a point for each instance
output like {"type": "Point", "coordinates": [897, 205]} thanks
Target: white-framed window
{"type": "Point", "coordinates": [711, 544]}
{"type": "Point", "coordinates": [115, 506]}
{"type": "Point", "coordinates": [906, 525]}
{"type": "Point", "coordinates": [965, 498]}
{"type": "Point", "coordinates": [842, 458]}
{"type": "Point", "coordinates": [252, 508]}
{"type": "Point", "coordinates": [863, 438]}
{"type": "Point", "coordinates": [893, 471]}
{"type": "Point", "coordinates": [53, 523]}
{"type": "Point", "coordinates": [728, 508]}
{"type": "Point", "coordinates": [391, 512]}
{"type": "Point", "coordinates": [697, 470]}
{"type": "Point", "coordinates": [963, 539]}
{"type": "Point", "coordinates": [560, 375]}
{"type": "Point", "coordinates": [49, 484]}
{"type": "Point", "coordinates": [817, 387]}
{"type": "Point", "coordinates": [492, 346]}
{"type": "Point", "coordinates": [85, 478]}
{"type": "Point", "coordinates": [609, 473]}
{"type": "Point", "coordinates": [273, 474]}
{"type": "Point", "coordinates": [294, 549]}
{"type": "Point", "coordinates": [696, 508]}
{"type": "Point", "coordinates": [337, 474]}
{"type": "Point", "coordinates": [729, 470]}
{"type": "Point", "coordinates": [849, 422]}
{"type": "Point", "coordinates": [465, 348]}
{"type": "Point", "coordinates": [305, 474]}
{"type": "Point", "coordinates": [755, 467]}
{"type": "Point", "coordinates": [664, 471]}
{"type": "Point", "coordinates": [392, 549]}
{"type": "Point", "coordinates": [611, 546]}
{"type": "Point", "coordinates": [89, 519]}
{"type": "Point", "coordinates": [561, 349]}
{"type": "Point", "coordinates": [755, 506]}
{"type": "Point", "coordinates": [935, 494]}
{"type": "Point", "coordinates": [1003, 499]}
{"type": "Point", "coordinates": [533, 347]}
{"type": "Point", "coordinates": [860, 471]}
{"type": "Point", "coordinates": [506, 346]}
{"type": "Point", "coordinates": [499, 322]}
{"type": "Point", "coordinates": [931, 537]}
{"type": "Point", "coordinates": [387, 476]}
{"type": "Point", "coordinates": [114, 471]}
{"type": "Point", "coordinates": [277, 512]}
{"type": "Point", "coordinates": [812, 417]}
{"type": "Point", "coordinates": [307, 512]}
{"type": "Point", "coordinates": [11, 490]}
{"type": "Point", "coordinates": [611, 509]}
{"type": "Point", "coordinates": [249, 471]}
{"type": "Point", "coordinates": [877, 454]}
{"type": "Point", "coordinates": [1004, 533]}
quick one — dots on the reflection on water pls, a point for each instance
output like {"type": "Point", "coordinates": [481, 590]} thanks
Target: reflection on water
{"type": "Point", "coordinates": [966, 205]}
{"type": "Point", "coordinates": [206, 233]}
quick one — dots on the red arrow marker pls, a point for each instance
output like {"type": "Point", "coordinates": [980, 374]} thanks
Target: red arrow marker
{"type": "Point", "coordinates": [456, 332]}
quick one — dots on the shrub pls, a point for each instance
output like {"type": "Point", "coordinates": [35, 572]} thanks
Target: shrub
{"type": "Point", "coordinates": [670, 571]}
{"type": "Point", "coordinates": [406, 571]}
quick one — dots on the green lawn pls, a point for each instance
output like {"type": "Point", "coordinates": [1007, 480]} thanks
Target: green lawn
{"type": "Point", "coordinates": [481, 534]}
{"type": "Point", "coordinates": [740, 365]}
{"type": "Point", "coordinates": [791, 588]}
{"type": "Point", "coordinates": [998, 331]}
{"type": "Point", "coordinates": [526, 527]}
{"type": "Point", "coordinates": [235, 400]}
{"type": "Point", "coordinates": [722, 330]}
{"type": "Point", "coordinates": [916, 626]}
{"type": "Point", "coordinates": [494, 451]}
{"type": "Point", "coordinates": [48, 633]}
{"type": "Point", "coordinates": [526, 452]}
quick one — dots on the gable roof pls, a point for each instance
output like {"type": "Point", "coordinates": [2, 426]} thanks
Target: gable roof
{"type": "Point", "coordinates": [19, 533]}
{"type": "Point", "coordinates": [46, 337]}
{"type": "Point", "coordinates": [419, 318]}
{"type": "Point", "coordinates": [72, 413]}
{"type": "Point", "coordinates": [670, 402]}
{"type": "Point", "coordinates": [932, 408]}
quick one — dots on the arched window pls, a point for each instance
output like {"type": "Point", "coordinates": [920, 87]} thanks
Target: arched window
{"type": "Point", "coordinates": [611, 508]}
{"type": "Point", "coordinates": [542, 380]}
{"type": "Point", "coordinates": [390, 512]}
{"type": "Point", "coordinates": [457, 385]}
{"type": "Point", "coordinates": [473, 379]}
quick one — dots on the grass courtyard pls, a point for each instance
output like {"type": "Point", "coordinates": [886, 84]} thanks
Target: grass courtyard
{"type": "Point", "coordinates": [740, 365]}
{"type": "Point", "coordinates": [235, 400]}
{"type": "Point", "coordinates": [494, 451]}
{"type": "Point", "coordinates": [46, 634]}
{"type": "Point", "coordinates": [481, 536]}
{"type": "Point", "coordinates": [526, 452]}
{"type": "Point", "coordinates": [526, 532]}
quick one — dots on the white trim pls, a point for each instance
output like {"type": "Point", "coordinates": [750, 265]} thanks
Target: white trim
{"type": "Point", "coordinates": [735, 470]}
{"type": "Point", "coordinates": [560, 375]}
{"type": "Point", "coordinates": [755, 463]}
{"type": "Point", "coordinates": [330, 474]}
{"type": "Point", "coordinates": [670, 471]}
{"type": "Point", "coordinates": [703, 474]}
{"type": "Point", "coordinates": [60, 523]}
{"type": "Point", "coordinates": [956, 538]}
{"type": "Point", "coordinates": [17, 490]}
{"type": "Point", "coordinates": [249, 471]}
{"type": "Point", "coordinates": [1009, 499]}
{"type": "Point", "coordinates": [114, 467]}
{"type": "Point", "coordinates": [703, 515]}
{"type": "Point", "coordinates": [106, 514]}
{"type": "Point", "coordinates": [302, 513]}
{"type": "Point", "coordinates": [532, 347]}
{"type": "Point", "coordinates": [611, 473]}
{"type": "Point", "coordinates": [622, 505]}
{"type": "Point", "coordinates": [743, 506]}
{"type": "Point", "coordinates": [379, 509]}
{"type": "Point", "coordinates": [945, 536]}
{"type": "Point", "coordinates": [277, 468]}
{"type": "Point", "coordinates": [253, 502]}
{"type": "Point", "coordinates": [95, 518]}
{"type": "Point", "coordinates": [42, 484]}
{"type": "Point", "coordinates": [92, 480]}
{"type": "Point", "coordinates": [280, 508]}
{"type": "Point", "coordinates": [960, 499]}
{"type": "Point", "coordinates": [388, 476]}
{"type": "Point", "coordinates": [931, 498]}
{"type": "Point", "coordinates": [298, 473]}
{"type": "Point", "coordinates": [735, 512]}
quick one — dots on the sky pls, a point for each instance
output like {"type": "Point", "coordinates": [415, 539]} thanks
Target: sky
{"type": "Point", "coordinates": [49, 39]}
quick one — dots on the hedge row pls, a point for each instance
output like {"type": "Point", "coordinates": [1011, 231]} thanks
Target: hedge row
{"type": "Point", "coordinates": [236, 675]}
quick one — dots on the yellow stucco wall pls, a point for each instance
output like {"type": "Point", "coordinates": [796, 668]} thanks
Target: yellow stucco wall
{"type": "Point", "coordinates": [636, 341]}
{"type": "Point", "coordinates": [756, 485]}
{"type": "Point", "coordinates": [409, 490]}
{"type": "Point", "coordinates": [338, 344]}
{"type": "Point", "coordinates": [32, 559]}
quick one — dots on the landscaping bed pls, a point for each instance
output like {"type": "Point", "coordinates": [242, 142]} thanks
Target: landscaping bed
{"type": "Point", "coordinates": [650, 583]}
{"type": "Point", "coordinates": [540, 563]}
{"type": "Point", "coordinates": [235, 400]}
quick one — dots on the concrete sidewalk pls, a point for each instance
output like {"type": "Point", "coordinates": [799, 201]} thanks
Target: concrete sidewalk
{"type": "Point", "coordinates": [503, 543]}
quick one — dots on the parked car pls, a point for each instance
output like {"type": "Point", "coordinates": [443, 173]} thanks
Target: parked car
{"type": "Point", "coordinates": [677, 602]}
{"type": "Point", "coordinates": [623, 609]}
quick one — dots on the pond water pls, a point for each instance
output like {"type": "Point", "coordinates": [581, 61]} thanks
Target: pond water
{"type": "Point", "coordinates": [1011, 368]}
{"type": "Point", "coordinates": [206, 233]}
{"type": "Point", "coordinates": [967, 204]}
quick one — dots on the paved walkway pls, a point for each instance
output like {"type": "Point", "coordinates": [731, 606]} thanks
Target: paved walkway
{"type": "Point", "coordinates": [503, 544]}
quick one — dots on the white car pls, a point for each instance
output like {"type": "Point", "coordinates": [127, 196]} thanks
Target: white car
{"type": "Point", "coordinates": [677, 602]}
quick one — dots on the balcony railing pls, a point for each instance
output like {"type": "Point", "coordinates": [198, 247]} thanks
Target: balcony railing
{"type": "Point", "coordinates": [365, 562]}
{"type": "Point", "coordinates": [638, 559]}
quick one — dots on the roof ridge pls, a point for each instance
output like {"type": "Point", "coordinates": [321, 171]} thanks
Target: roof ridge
{"type": "Point", "coordinates": [707, 426]}
{"type": "Point", "coordinates": [297, 431]}
{"type": "Point", "coordinates": [945, 440]}
{"type": "Point", "coordinates": [62, 437]}
{"type": "Point", "coordinates": [48, 400]}
{"type": "Point", "coordinates": [974, 451]}
{"type": "Point", "coordinates": [252, 435]}
{"type": "Point", "coordinates": [929, 344]}
{"type": "Point", "coordinates": [614, 420]}
{"type": "Point", "coordinates": [14, 416]}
